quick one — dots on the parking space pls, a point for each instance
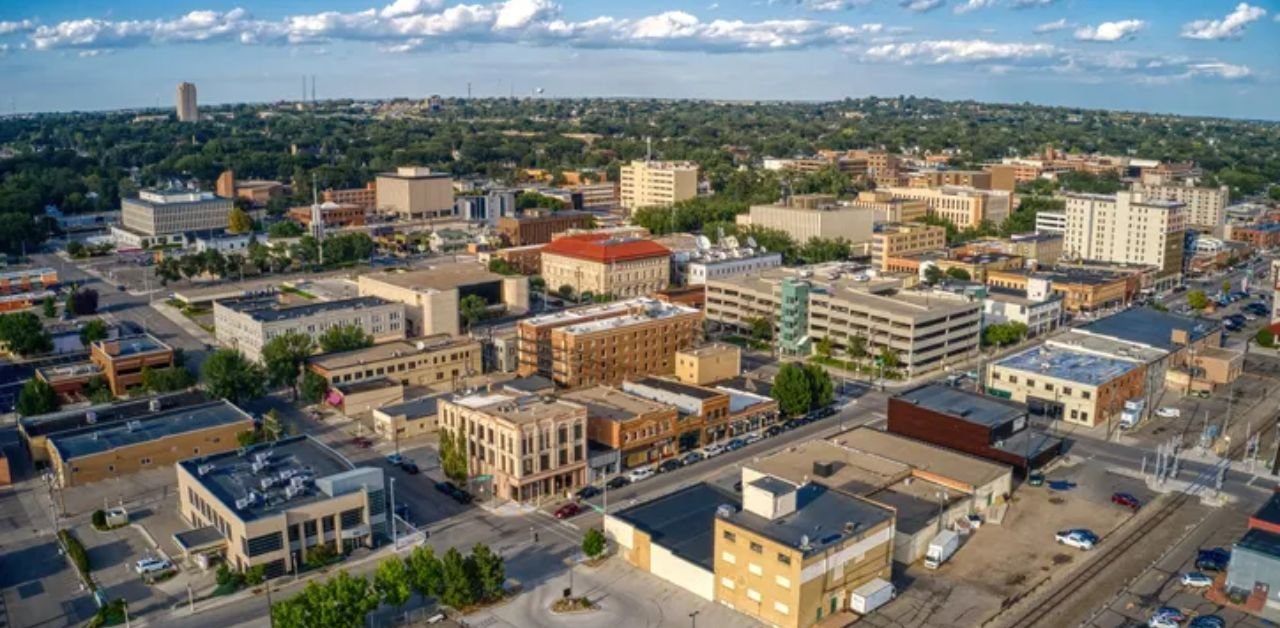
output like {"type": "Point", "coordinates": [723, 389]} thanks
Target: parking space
{"type": "Point", "coordinates": [38, 586]}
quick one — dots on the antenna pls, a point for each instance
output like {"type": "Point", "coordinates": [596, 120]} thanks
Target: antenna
{"type": "Point", "coordinates": [304, 88]}
{"type": "Point", "coordinates": [468, 90]}
{"type": "Point", "coordinates": [313, 89]}
{"type": "Point", "coordinates": [648, 148]}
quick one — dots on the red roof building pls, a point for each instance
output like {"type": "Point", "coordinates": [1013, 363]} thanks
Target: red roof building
{"type": "Point", "coordinates": [616, 268]}
{"type": "Point", "coordinates": [596, 247]}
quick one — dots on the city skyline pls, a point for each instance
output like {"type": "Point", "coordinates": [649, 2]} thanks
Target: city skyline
{"type": "Point", "coordinates": [1211, 58]}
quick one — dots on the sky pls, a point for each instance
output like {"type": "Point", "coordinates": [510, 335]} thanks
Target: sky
{"type": "Point", "coordinates": [1198, 57]}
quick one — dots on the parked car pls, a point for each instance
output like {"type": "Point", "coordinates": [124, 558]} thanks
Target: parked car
{"type": "Point", "coordinates": [456, 493]}
{"type": "Point", "coordinates": [713, 450]}
{"type": "Point", "coordinates": [753, 437]}
{"type": "Point", "coordinates": [772, 430]}
{"type": "Point", "coordinates": [640, 474]}
{"type": "Point", "coordinates": [1157, 621]}
{"type": "Point", "coordinates": [618, 481]}
{"type": "Point", "coordinates": [1126, 500]}
{"type": "Point", "coordinates": [151, 565]}
{"type": "Point", "coordinates": [1214, 559]}
{"type": "Point", "coordinates": [1208, 621]}
{"type": "Point", "coordinates": [395, 459]}
{"type": "Point", "coordinates": [691, 457]}
{"type": "Point", "coordinates": [409, 466]}
{"type": "Point", "coordinates": [735, 444]}
{"type": "Point", "coordinates": [1079, 539]}
{"type": "Point", "coordinates": [1170, 612]}
{"type": "Point", "coordinates": [587, 492]}
{"type": "Point", "coordinates": [669, 465]}
{"type": "Point", "coordinates": [567, 511]}
{"type": "Point", "coordinates": [1196, 580]}
{"type": "Point", "coordinates": [1035, 479]}
{"type": "Point", "coordinates": [1168, 412]}
{"type": "Point", "coordinates": [826, 412]}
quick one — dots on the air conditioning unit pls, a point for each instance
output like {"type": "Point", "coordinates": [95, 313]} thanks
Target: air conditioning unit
{"type": "Point", "coordinates": [258, 467]}
{"type": "Point", "coordinates": [90, 417]}
{"type": "Point", "coordinates": [204, 469]}
{"type": "Point", "coordinates": [154, 405]}
{"type": "Point", "coordinates": [133, 426]}
{"type": "Point", "coordinates": [267, 482]}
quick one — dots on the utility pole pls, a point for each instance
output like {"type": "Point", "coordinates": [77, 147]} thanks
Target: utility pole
{"type": "Point", "coordinates": [393, 513]}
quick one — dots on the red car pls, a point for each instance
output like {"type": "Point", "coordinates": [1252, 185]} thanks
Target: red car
{"type": "Point", "coordinates": [568, 510]}
{"type": "Point", "coordinates": [1127, 500]}
{"type": "Point", "coordinates": [362, 442]}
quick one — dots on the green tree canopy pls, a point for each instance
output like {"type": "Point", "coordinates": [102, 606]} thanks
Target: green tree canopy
{"type": "Point", "coordinates": [344, 338]}
{"type": "Point", "coordinates": [426, 573]}
{"type": "Point", "coordinates": [593, 543]}
{"type": "Point", "coordinates": [283, 357]}
{"type": "Point", "coordinates": [24, 334]}
{"type": "Point", "coordinates": [94, 331]}
{"type": "Point", "coordinates": [1197, 299]}
{"type": "Point", "coordinates": [391, 581]}
{"type": "Point", "coordinates": [473, 309]}
{"type": "Point", "coordinates": [167, 379]}
{"type": "Point", "coordinates": [238, 221]}
{"type": "Point", "coordinates": [792, 390]}
{"type": "Point", "coordinates": [36, 397]}
{"type": "Point", "coordinates": [228, 375]}
{"type": "Point", "coordinates": [313, 387]}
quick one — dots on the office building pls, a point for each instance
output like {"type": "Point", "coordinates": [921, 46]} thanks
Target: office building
{"type": "Point", "coordinates": [889, 209]}
{"type": "Point", "coordinates": [487, 207]}
{"type": "Point", "coordinates": [329, 214]}
{"type": "Point", "coordinates": [853, 168]}
{"type": "Point", "coordinates": [926, 329]}
{"type": "Point", "coordinates": [256, 192]}
{"type": "Point", "coordinates": [900, 240]}
{"type": "Point", "coordinates": [99, 452]}
{"type": "Point", "coordinates": [617, 267]}
{"type": "Point", "coordinates": [963, 206]}
{"type": "Point", "coordinates": [121, 360]}
{"type": "Point", "coordinates": [641, 430]}
{"type": "Point", "coordinates": [1051, 222]}
{"type": "Point", "coordinates": [158, 217]}
{"type": "Point", "coordinates": [522, 448]}
{"type": "Point", "coordinates": [807, 216]}
{"type": "Point", "coordinates": [415, 193]}
{"type": "Point", "coordinates": [976, 179]}
{"type": "Point", "coordinates": [708, 364]}
{"type": "Point", "coordinates": [1038, 307]}
{"type": "Point", "coordinates": [409, 418]}
{"type": "Point", "coordinates": [441, 361]}
{"type": "Point", "coordinates": [647, 183]}
{"type": "Point", "coordinates": [975, 424]}
{"type": "Point", "coordinates": [1081, 290]}
{"type": "Point", "coordinates": [538, 227]}
{"type": "Point", "coordinates": [707, 415]}
{"type": "Point", "coordinates": [1205, 207]}
{"type": "Point", "coordinates": [366, 197]}
{"type": "Point", "coordinates": [638, 337]}
{"type": "Point", "coordinates": [1129, 229]}
{"type": "Point", "coordinates": [697, 267]}
{"type": "Point", "coordinates": [36, 430]}
{"type": "Point", "coordinates": [188, 109]}
{"type": "Point", "coordinates": [247, 325]}
{"type": "Point", "coordinates": [359, 399]}
{"type": "Point", "coordinates": [431, 295]}
{"type": "Point", "coordinates": [273, 504]}
{"type": "Point", "coordinates": [1067, 384]}
{"type": "Point", "coordinates": [1188, 352]}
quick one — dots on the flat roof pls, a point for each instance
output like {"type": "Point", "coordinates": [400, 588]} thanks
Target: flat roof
{"type": "Point", "coordinates": [820, 520]}
{"type": "Point", "coordinates": [922, 456]}
{"type": "Point", "coordinates": [654, 311]}
{"type": "Point", "coordinates": [1113, 347]}
{"type": "Point", "coordinates": [270, 310]}
{"type": "Point", "coordinates": [440, 277]}
{"type": "Point", "coordinates": [1066, 364]}
{"type": "Point", "coordinates": [1150, 327]}
{"type": "Point", "coordinates": [521, 409]}
{"type": "Point", "coordinates": [529, 384]}
{"type": "Point", "coordinates": [366, 385]}
{"type": "Point", "coordinates": [611, 404]}
{"type": "Point", "coordinates": [388, 351]}
{"type": "Point", "coordinates": [107, 413]}
{"type": "Point", "coordinates": [96, 439]}
{"type": "Point", "coordinates": [678, 388]}
{"type": "Point", "coordinates": [971, 407]}
{"type": "Point", "coordinates": [1260, 541]}
{"type": "Point", "coordinates": [198, 538]}
{"type": "Point", "coordinates": [129, 346]}
{"type": "Point", "coordinates": [854, 286]}
{"type": "Point", "coordinates": [1270, 511]}
{"type": "Point", "coordinates": [1029, 443]}
{"type": "Point", "coordinates": [683, 522]}
{"type": "Point", "coordinates": [856, 472]}
{"type": "Point", "coordinates": [230, 474]}
{"type": "Point", "coordinates": [709, 349]}
{"type": "Point", "coordinates": [567, 317]}
{"type": "Point", "coordinates": [414, 408]}
{"type": "Point", "coordinates": [915, 503]}
{"type": "Point", "coordinates": [773, 486]}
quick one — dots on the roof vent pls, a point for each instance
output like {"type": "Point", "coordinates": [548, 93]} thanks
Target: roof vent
{"type": "Point", "coordinates": [133, 426]}
{"type": "Point", "coordinates": [90, 417]}
{"type": "Point", "coordinates": [153, 405]}
{"type": "Point", "coordinates": [804, 542]}
{"type": "Point", "coordinates": [204, 469]}
{"type": "Point", "coordinates": [850, 527]}
{"type": "Point", "coordinates": [724, 511]}
{"type": "Point", "coordinates": [824, 468]}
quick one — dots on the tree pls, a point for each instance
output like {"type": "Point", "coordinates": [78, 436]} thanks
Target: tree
{"type": "Point", "coordinates": [391, 581]}
{"type": "Point", "coordinates": [857, 347]}
{"type": "Point", "coordinates": [94, 331]}
{"type": "Point", "coordinates": [285, 229]}
{"type": "Point", "coordinates": [453, 455]}
{"type": "Point", "coordinates": [238, 221]}
{"type": "Point", "coordinates": [933, 275]}
{"type": "Point", "coordinates": [283, 357]}
{"type": "Point", "coordinates": [85, 301]}
{"type": "Point", "coordinates": [1226, 286]}
{"type": "Point", "coordinates": [97, 390]}
{"type": "Point", "coordinates": [313, 387]}
{"type": "Point", "coordinates": [167, 379]}
{"type": "Point", "coordinates": [593, 543]}
{"type": "Point", "coordinates": [50, 307]}
{"type": "Point", "coordinates": [76, 249]}
{"type": "Point", "coordinates": [344, 338]}
{"type": "Point", "coordinates": [565, 292]}
{"type": "Point", "coordinates": [36, 397]}
{"type": "Point", "coordinates": [351, 599]}
{"type": "Point", "coordinates": [822, 391]}
{"type": "Point", "coordinates": [168, 269]}
{"type": "Point", "coordinates": [191, 265]}
{"type": "Point", "coordinates": [228, 375]}
{"type": "Point", "coordinates": [761, 329]}
{"type": "Point", "coordinates": [457, 591]}
{"type": "Point", "coordinates": [473, 309]}
{"type": "Point", "coordinates": [823, 347]}
{"type": "Point", "coordinates": [959, 274]}
{"type": "Point", "coordinates": [255, 575]}
{"type": "Point", "coordinates": [489, 571]}
{"type": "Point", "coordinates": [792, 390]}
{"type": "Point", "coordinates": [889, 358]}
{"type": "Point", "coordinates": [1197, 300]}
{"type": "Point", "coordinates": [1004, 334]}
{"type": "Point", "coordinates": [426, 574]}
{"type": "Point", "coordinates": [1265, 337]}
{"type": "Point", "coordinates": [24, 334]}
{"type": "Point", "coordinates": [502, 267]}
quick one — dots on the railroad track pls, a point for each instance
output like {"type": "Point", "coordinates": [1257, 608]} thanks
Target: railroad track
{"type": "Point", "coordinates": [1115, 548]}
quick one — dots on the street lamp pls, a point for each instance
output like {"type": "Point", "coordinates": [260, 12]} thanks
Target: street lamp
{"type": "Point", "coordinates": [693, 619]}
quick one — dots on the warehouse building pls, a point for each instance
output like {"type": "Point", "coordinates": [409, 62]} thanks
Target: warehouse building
{"type": "Point", "coordinates": [36, 430]}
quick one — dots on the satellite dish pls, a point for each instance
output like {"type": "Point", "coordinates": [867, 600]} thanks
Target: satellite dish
{"type": "Point", "coordinates": [751, 242]}
{"type": "Point", "coordinates": [702, 242]}
{"type": "Point", "coordinates": [763, 250]}
{"type": "Point", "coordinates": [730, 242]}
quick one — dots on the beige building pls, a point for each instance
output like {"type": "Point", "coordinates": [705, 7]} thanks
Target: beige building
{"type": "Point", "coordinates": [413, 192]}
{"type": "Point", "coordinates": [808, 216]}
{"type": "Point", "coordinates": [1128, 229]}
{"type": "Point", "coordinates": [616, 267]}
{"type": "Point", "coordinates": [963, 206]}
{"type": "Point", "coordinates": [898, 240]}
{"type": "Point", "coordinates": [188, 109]}
{"type": "Point", "coordinates": [657, 183]}
{"type": "Point", "coordinates": [100, 452]}
{"type": "Point", "coordinates": [431, 295]}
{"type": "Point", "coordinates": [249, 324]}
{"type": "Point", "coordinates": [1205, 207]}
{"type": "Point", "coordinates": [889, 209]}
{"type": "Point", "coordinates": [977, 179]}
{"type": "Point", "coordinates": [708, 364]}
{"type": "Point", "coordinates": [275, 503]}
{"type": "Point", "coordinates": [410, 418]}
{"type": "Point", "coordinates": [157, 213]}
{"type": "Point", "coordinates": [1069, 384]}
{"type": "Point", "coordinates": [440, 361]}
{"type": "Point", "coordinates": [643, 431]}
{"type": "Point", "coordinates": [529, 448]}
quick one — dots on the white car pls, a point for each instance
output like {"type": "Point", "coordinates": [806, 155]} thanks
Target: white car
{"type": "Point", "coordinates": [1160, 621]}
{"type": "Point", "coordinates": [1196, 580]}
{"type": "Point", "coordinates": [1169, 413]}
{"type": "Point", "coordinates": [752, 437]}
{"type": "Point", "coordinates": [713, 450]}
{"type": "Point", "coordinates": [642, 473]}
{"type": "Point", "coordinates": [1079, 539]}
{"type": "Point", "coordinates": [151, 565]}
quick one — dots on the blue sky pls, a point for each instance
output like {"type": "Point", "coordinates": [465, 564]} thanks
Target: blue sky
{"type": "Point", "coordinates": [1205, 57]}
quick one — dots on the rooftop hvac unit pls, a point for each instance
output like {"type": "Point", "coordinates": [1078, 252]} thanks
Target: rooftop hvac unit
{"type": "Point", "coordinates": [724, 511]}
{"type": "Point", "coordinates": [91, 417]}
{"type": "Point", "coordinates": [262, 458]}
{"type": "Point", "coordinates": [243, 503]}
{"type": "Point", "coordinates": [291, 492]}
{"type": "Point", "coordinates": [133, 426]}
{"type": "Point", "coordinates": [297, 481]}
{"type": "Point", "coordinates": [804, 542]}
{"type": "Point", "coordinates": [153, 405]}
{"type": "Point", "coordinates": [258, 467]}
{"type": "Point", "coordinates": [824, 468]}
{"type": "Point", "coordinates": [267, 482]}
{"type": "Point", "coordinates": [204, 469]}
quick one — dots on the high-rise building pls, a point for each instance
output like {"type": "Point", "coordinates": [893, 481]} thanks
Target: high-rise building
{"type": "Point", "coordinates": [188, 110]}
{"type": "Point", "coordinates": [158, 217]}
{"type": "Point", "coordinates": [808, 216]}
{"type": "Point", "coordinates": [413, 192]}
{"type": "Point", "coordinates": [1129, 229]}
{"type": "Point", "coordinates": [963, 206]}
{"type": "Point", "coordinates": [1205, 207]}
{"type": "Point", "coordinates": [905, 239]}
{"type": "Point", "coordinates": [657, 183]}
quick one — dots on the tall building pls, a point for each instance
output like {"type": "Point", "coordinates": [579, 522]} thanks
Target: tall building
{"type": "Point", "coordinates": [415, 193]}
{"type": "Point", "coordinates": [1129, 229]}
{"type": "Point", "coordinates": [938, 178]}
{"type": "Point", "coordinates": [1205, 207]}
{"type": "Point", "coordinates": [431, 296]}
{"type": "Point", "coordinates": [188, 110]}
{"type": "Point", "coordinates": [890, 209]}
{"type": "Point", "coordinates": [366, 197]}
{"type": "Point", "coordinates": [539, 227]}
{"type": "Point", "coordinates": [1054, 222]}
{"type": "Point", "coordinates": [249, 324]}
{"type": "Point", "coordinates": [808, 216]}
{"type": "Point", "coordinates": [963, 206]}
{"type": "Point", "coordinates": [896, 240]}
{"type": "Point", "coordinates": [164, 217]}
{"type": "Point", "coordinates": [618, 267]}
{"type": "Point", "coordinates": [657, 183]}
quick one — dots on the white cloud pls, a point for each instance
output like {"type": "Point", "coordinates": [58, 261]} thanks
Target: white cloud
{"type": "Point", "coordinates": [1050, 27]}
{"type": "Point", "coordinates": [1221, 70]}
{"type": "Point", "coordinates": [974, 5]}
{"type": "Point", "coordinates": [401, 8]}
{"type": "Point", "coordinates": [20, 26]}
{"type": "Point", "coordinates": [1110, 31]}
{"type": "Point", "coordinates": [958, 51]}
{"type": "Point", "coordinates": [1032, 4]}
{"type": "Point", "coordinates": [1229, 27]}
{"type": "Point", "coordinates": [921, 6]}
{"type": "Point", "coordinates": [833, 5]}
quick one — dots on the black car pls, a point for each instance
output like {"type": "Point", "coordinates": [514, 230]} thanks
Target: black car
{"type": "Point", "coordinates": [773, 430]}
{"type": "Point", "coordinates": [459, 495]}
{"type": "Point", "coordinates": [669, 465]}
{"type": "Point", "coordinates": [410, 467]}
{"type": "Point", "coordinates": [617, 481]}
{"type": "Point", "coordinates": [1215, 559]}
{"type": "Point", "coordinates": [587, 492]}
{"type": "Point", "coordinates": [826, 412]}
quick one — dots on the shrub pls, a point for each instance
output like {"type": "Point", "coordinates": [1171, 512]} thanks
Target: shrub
{"type": "Point", "coordinates": [75, 549]}
{"type": "Point", "coordinates": [100, 519]}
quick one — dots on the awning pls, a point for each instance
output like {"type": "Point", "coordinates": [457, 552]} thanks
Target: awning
{"type": "Point", "coordinates": [199, 540]}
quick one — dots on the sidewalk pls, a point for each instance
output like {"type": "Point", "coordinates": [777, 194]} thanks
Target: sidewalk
{"type": "Point", "coordinates": [185, 323]}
